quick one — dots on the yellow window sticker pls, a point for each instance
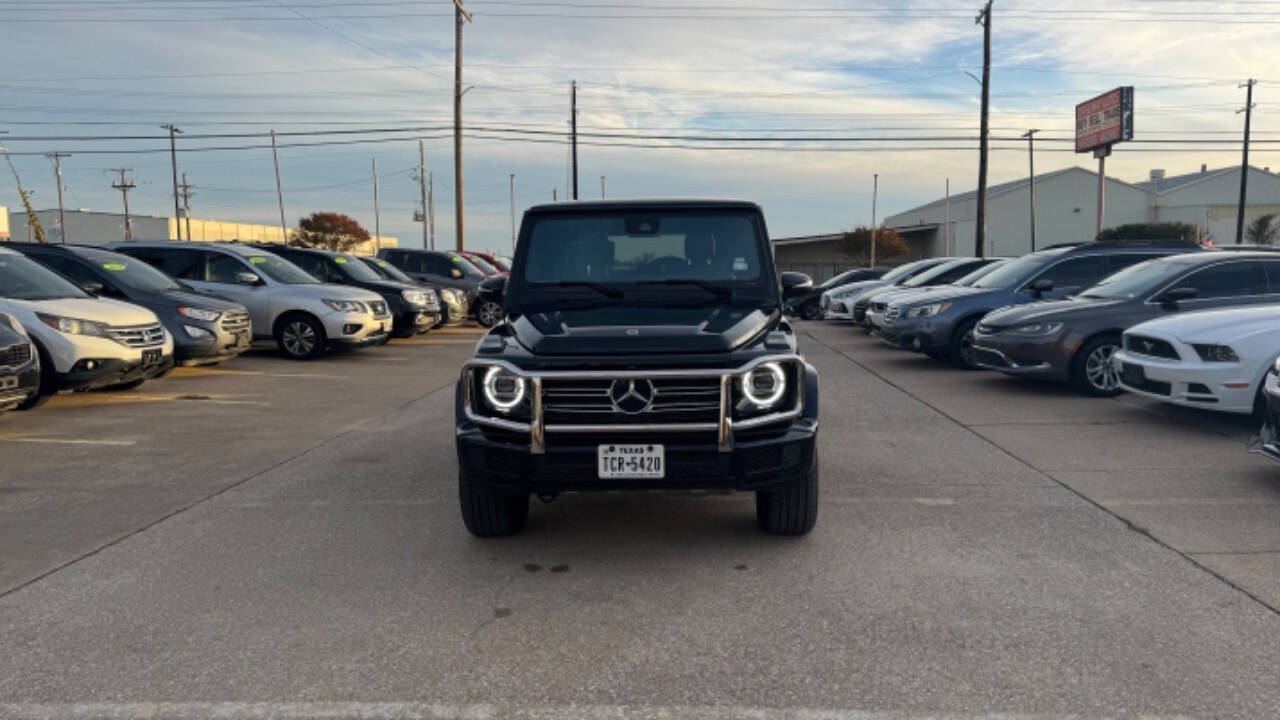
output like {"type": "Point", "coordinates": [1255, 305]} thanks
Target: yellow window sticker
{"type": "Point", "coordinates": [114, 266]}
{"type": "Point", "coordinates": [340, 260]}
{"type": "Point", "coordinates": [257, 259]}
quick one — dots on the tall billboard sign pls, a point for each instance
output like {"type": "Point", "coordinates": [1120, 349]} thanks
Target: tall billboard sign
{"type": "Point", "coordinates": [1105, 120]}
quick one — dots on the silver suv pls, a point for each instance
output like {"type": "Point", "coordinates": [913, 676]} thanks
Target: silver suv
{"type": "Point", "coordinates": [286, 304]}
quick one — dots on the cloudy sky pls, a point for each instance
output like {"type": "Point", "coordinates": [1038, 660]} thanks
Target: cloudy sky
{"type": "Point", "coordinates": [829, 93]}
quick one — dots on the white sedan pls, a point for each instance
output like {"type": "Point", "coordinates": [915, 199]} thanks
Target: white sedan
{"type": "Point", "coordinates": [1215, 360]}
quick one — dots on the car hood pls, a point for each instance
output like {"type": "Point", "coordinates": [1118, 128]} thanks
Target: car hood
{"type": "Point", "coordinates": [110, 312]}
{"type": "Point", "coordinates": [859, 286]}
{"type": "Point", "coordinates": [326, 291]}
{"type": "Point", "coordinates": [945, 293]}
{"type": "Point", "coordinates": [389, 286]}
{"type": "Point", "coordinates": [1217, 326]}
{"type": "Point", "coordinates": [623, 330]}
{"type": "Point", "coordinates": [1047, 310]}
{"type": "Point", "coordinates": [188, 298]}
{"type": "Point", "coordinates": [894, 294]}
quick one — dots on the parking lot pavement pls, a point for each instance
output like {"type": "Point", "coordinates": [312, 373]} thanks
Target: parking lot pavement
{"type": "Point", "coordinates": [312, 563]}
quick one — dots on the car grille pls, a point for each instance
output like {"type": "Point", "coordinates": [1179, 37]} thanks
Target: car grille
{"type": "Point", "coordinates": [378, 307]}
{"type": "Point", "coordinates": [138, 336]}
{"type": "Point", "coordinates": [878, 307]}
{"type": "Point", "coordinates": [891, 315]}
{"type": "Point", "coordinates": [235, 320]}
{"type": "Point", "coordinates": [1149, 346]}
{"type": "Point", "coordinates": [15, 355]}
{"type": "Point", "coordinates": [675, 400]}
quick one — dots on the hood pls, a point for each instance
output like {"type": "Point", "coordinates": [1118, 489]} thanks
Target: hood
{"type": "Point", "coordinates": [394, 287]}
{"type": "Point", "coordinates": [109, 312]}
{"type": "Point", "coordinates": [327, 291]}
{"type": "Point", "coordinates": [859, 286]}
{"type": "Point", "coordinates": [187, 298]}
{"type": "Point", "coordinates": [1046, 310]}
{"type": "Point", "coordinates": [944, 293]}
{"type": "Point", "coordinates": [1217, 326]}
{"type": "Point", "coordinates": [624, 330]}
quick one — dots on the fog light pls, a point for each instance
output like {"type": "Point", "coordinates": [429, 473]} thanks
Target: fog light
{"type": "Point", "coordinates": [197, 333]}
{"type": "Point", "coordinates": [351, 328]}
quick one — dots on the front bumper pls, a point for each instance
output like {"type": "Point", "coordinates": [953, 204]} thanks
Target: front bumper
{"type": "Point", "coordinates": [215, 347]}
{"type": "Point", "coordinates": [917, 334]}
{"type": "Point", "coordinates": [1267, 441]}
{"type": "Point", "coordinates": [1021, 356]}
{"type": "Point", "coordinates": [351, 329]}
{"type": "Point", "coordinates": [1190, 384]}
{"type": "Point", "coordinates": [112, 372]}
{"type": "Point", "coordinates": [835, 309]}
{"type": "Point", "coordinates": [416, 320]}
{"type": "Point", "coordinates": [19, 383]}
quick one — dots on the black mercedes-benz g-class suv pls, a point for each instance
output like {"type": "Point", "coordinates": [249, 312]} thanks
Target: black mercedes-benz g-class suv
{"type": "Point", "coordinates": [643, 347]}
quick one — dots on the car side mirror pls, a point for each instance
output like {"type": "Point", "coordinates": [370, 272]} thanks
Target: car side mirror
{"type": "Point", "coordinates": [1171, 298]}
{"type": "Point", "coordinates": [493, 289]}
{"type": "Point", "coordinates": [93, 288]}
{"type": "Point", "coordinates": [248, 278]}
{"type": "Point", "coordinates": [1041, 286]}
{"type": "Point", "coordinates": [794, 284]}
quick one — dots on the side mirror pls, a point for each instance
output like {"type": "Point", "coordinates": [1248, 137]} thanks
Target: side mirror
{"type": "Point", "coordinates": [493, 289]}
{"type": "Point", "coordinates": [1171, 298]}
{"type": "Point", "coordinates": [794, 284]}
{"type": "Point", "coordinates": [93, 288]}
{"type": "Point", "coordinates": [1041, 287]}
{"type": "Point", "coordinates": [248, 278]}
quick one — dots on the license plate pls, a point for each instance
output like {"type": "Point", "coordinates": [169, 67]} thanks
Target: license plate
{"type": "Point", "coordinates": [1132, 374]}
{"type": "Point", "coordinates": [150, 357]}
{"type": "Point", "coordinates": [631, 461]}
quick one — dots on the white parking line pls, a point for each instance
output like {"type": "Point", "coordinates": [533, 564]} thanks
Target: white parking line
{"type": "Point", "coordinates": [68, 441]}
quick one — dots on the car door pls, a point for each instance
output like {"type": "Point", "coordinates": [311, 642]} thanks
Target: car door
{"type": "Point", "coordinates": [1224, 284]}
{"type": "Point", "coordinates": [1070, 275]}
{"type": "Point", "coordinates": [221, 276]}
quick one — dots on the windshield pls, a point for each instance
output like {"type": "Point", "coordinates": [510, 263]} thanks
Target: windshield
{"type": "Point", "coordinates": [23, 279]}
{"type": "Point", "coordinates": [978, 274]}
{"type": "Point", "coordinates": [1013, 272]}
{"type": "Point", "coordinates": [644, 247]}
{"type": "Point", "coordinates": [467, 267]}
{"type": "Point", "coordinates": [925, 277]}
{"type": "Point", "coordinates": [132, 273]}
{"type": "Point", "coordinates": [387, 270]}
{"type": "Point", "coordinates": [354, 269]}
{"type": "Point", "coordinates": [1136, 280]}
{"type": "Point", "coordinates": [484, 265]}
{"type": "Point", "coordinates": [502, 262]}
{"type": "Point", "coordinates": [900, 272]}
{"type": "Point", "coordinates": [280, 270]}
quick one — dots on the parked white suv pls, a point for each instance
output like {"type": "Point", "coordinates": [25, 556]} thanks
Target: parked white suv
{"type": "Point", "coordinates": [286, 304]}
{"type": "Point", "coordinates": [83, 342]}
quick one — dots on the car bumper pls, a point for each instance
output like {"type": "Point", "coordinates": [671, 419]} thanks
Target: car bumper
{"type": "Point", "coordinates": [17, 384]}
{"type": "Point", "coordinates": [356, 329]}
{"type": "Point", "coordinates": [917, 335]}
{"type": "Point", "coordinates": [112, 372]}
{"type": "Point", "coordinates": [1021, 356]}
{"type": "Point", "coordinates": [858, 314]}
{"type": "Point", "coordinates": [1225, 387]}
{"type": "Point", "coordinates": [217, 346]}
{"type": "Point", "coordinates": [1267, 441]}
{"type": "Point", "coordinates": [419, 321]}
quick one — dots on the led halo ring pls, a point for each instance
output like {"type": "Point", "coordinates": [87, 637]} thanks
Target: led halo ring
{"type": "Point", "coordinates": [780, 385]}
{"type": "Point", "coordinates": [491, 377]}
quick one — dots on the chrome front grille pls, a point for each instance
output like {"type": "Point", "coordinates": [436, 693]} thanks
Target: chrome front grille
{"type": "Point", "coordinates": [235, 320]}
{"type": "Point", "coordinates": [1150, 346]}
{"type": "Point", "coordinates": [138, 336]}
{"type": "Point", "coordinates": [674, 400]}
{"type": "Point", "coordinates": [15, 355]}
{"type": "Point", "coordinates": [379, 308]}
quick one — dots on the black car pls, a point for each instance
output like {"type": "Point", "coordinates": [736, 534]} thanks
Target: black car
{"type": "Point", "coordinates": [808, 305]}
{"type": "Point", "coordinates": [644, 346]}
{"type": "Point", "coordinates": [206, 329]}
{"type": "Point", "coordinates": [442, 269]}
{"type": "Point", "coordinates": [387, 271]}
{"type": "Point", "coordinates": [414, 309]}
{"type": "Point", "coordinates": [19, 365]}
{"type": "Point", "coordinates": [1072, 340]}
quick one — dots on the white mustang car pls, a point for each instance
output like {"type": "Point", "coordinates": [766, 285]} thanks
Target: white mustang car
{"type": "Point", "coordinates": [1215, 360]}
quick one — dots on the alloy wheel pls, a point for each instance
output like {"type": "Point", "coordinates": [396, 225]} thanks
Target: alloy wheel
{"type": "Point", "coordinates": [299, 338]}
{"type": "Point", "coordinates": [490, 314]}
{"type": "Point", "coordinates": [1099, 371]}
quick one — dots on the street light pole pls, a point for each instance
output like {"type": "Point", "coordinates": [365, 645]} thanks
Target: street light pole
{"type": "Point", "coordinates": [1031, 160]}
{"type": "Point", "coordinates": [875, 189]}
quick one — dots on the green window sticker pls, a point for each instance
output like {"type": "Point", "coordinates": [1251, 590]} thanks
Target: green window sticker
{"type": "Point", "coordinates": [383, 263]}
{"type": "Point", "coordinates": [340, 260]}
{"type": "Point", "coordinates": [257, 259]}
{"type": "Point", "coordinates": [456, 259]}
{"type": "Point", "coordinates": [114, 266]}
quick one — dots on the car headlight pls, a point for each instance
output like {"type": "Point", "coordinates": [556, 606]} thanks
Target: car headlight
{"type": "Point", "coordinates": [346, 305]}
{"type": "Point", "coordinates": [927, 310]}
{"type": "Point", "coordinates": [503, 389]}
{"type": "Point", "coordinates": [1037, 329]}
{"type": "Point", "coordinates": [763, 386]}
{"type": "Point", "coordinates": [449, 296]}
{"type": "Point", "coordinates": [200, 313]}
{"type": "Point", "coordinates": [74, 326]}
{"type": "Point", "coordinates": [1216, 353]}
{"type": "Point", "coordinates": [414, 297]}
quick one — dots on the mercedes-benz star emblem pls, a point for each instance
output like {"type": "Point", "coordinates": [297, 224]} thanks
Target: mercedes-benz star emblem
{"type": "Point", "coordinates": [631, 397]}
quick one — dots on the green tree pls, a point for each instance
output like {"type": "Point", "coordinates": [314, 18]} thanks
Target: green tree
{"type": "Point", "coordinates": [1150, 231]}
{"type": "Point", "coordinates": [1263, 230]}
{"type": "Point", "coordinates": [329, 231]}
{"type": "Point", "coordinates": [856, 244]}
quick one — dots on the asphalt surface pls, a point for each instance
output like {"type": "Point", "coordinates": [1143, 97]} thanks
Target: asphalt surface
{"type": "Point", "coordinates": [282, 539]}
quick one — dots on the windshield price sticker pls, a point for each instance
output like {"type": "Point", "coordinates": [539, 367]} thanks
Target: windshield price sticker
{"type": "Point", "coordinates": [340, 260]}
{"type": "Point", "coordinates": [114, 266]}
{"type": "Point", "coordinates": [257, 259]}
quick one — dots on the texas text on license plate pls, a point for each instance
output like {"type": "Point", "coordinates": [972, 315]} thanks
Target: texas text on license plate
{"type": "Point", "coordinates": [631, 461]}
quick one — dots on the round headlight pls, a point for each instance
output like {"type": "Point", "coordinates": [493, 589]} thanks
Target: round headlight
{"type": "Point", "coordinates": [502, 389]}
{"type": "Point", "coordinates": [764, 386]}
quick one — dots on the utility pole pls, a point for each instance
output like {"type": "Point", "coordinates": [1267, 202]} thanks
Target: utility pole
{"type": "Point", "coordinates": [946, 222]}
{"type": "Point", "coordinates": [431, 206]}
{"type": "Point", "coordinates": [980, 222]}
{"type": "Point", "coordinates": [124, 186]}
{"type": "Point", "coordinates": [1031, 160]}
{"type": "Point", "coordinates": [57, 170]}
{"type": "Point", "coordinates": [422, 190]}
{"type": "Point", "coordinates": [275, 158]}
{"type": "Point", "coordinates": [460, 16]}
{"type": "Point", "coordinates": [573, 135]}
{"type": "Point", "coordinates": [601, 187]}
{"type": "Point", "coordinates": [186, 204]}
{"type": "Point", "coordinates": [513, 213]}
{"type": "Point", "coordinates": [1244, 161]}
{"type": "Point", "coordinates": [173, 157]}
{"type": "Point", "coordinates": [875, 190]}
{"type": "Point", "coordinates": [377, 221]}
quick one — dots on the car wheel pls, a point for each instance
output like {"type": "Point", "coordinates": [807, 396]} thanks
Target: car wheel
{"type": "Point", "coordinates": [810, 311]}
{"type": "Point", "coordinates": [48, 386]}
{"type": "Point", "coordinates": [792, 511]}
{"type": "Point", "coordinates": [1092, 372]}
{"type": "Point", "coordinates": [300, 337]}
{"type": "Point", "coordinates": [488, 514]}
{"type": "Point", "coordinates": [489, 314]}
{"type": "Point", "coordinates": [961, 352]}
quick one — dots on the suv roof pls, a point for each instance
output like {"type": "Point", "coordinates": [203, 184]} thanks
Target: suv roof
{"type": "Point", "coordinates": [646, 204]}
{"type": "Point", "coordinates": [234, 247]}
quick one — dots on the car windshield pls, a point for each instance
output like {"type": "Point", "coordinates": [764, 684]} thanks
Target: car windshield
{"type": "Point", "coordinates": [686, 247]}
{"type": "Point", "coordinates": [902, 271]}
{"type": "Point", "coordinates": [354, 269]}
{"type": "Point", "coordinates": [502, 262]}
{"type": "Point", "coordinates": [1013, 272]}
{"type": "Point", "coordinates": [465, 266]}
{"type": "Point", "coordinates": [978, 274]}
{"type": "Point", "coordinates": [1136, 280]}
{"type": "Point", "coordinates": [24, 279]}
{"type": "Point", "coordinates": [928, 275]}
{"type": "Point", "coordinates": [132, 273]}
{"type": "Point", "coordinates": [485, 266]}
{"type": "Point", "coordinates": [386, 270]}
{"type": "Point", "coordinates": [280, 270]}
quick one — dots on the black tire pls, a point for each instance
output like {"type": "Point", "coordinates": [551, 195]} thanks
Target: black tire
{"type": "Point", "coordinates": [488, 514]}
{"type": "Point", "coordinates": [1092, 373]}
{"type": "Point", "coordinates": [300, 337]}
{"type": "Point", "coordinates": [402, 333]}
{"type": "Point", "coordinates": [792, 511]}
{"type": "Point", "coordinates": [48, 386]}
{"type": "Point", "coordinates": [489, 314]}
{"type": "Point", "coordinates": [1260, 408]}
{"type": "Point", "coordinates": [385, 339]}
{"type": "Point", "coordinates": [811, 311]}
{"type": "Point", "coordinates": [961, 340]}
{"type": "Point", "coordinates": [936, 354]}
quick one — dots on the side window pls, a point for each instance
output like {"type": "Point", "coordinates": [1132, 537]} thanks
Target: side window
{"type": "Point", "coordinates": [181, 264]}
{"type": "Point", "coordinates": [312, 264]}
{"type": "Point", "coordinates": [435, 265]}
{"type": "Point", "coordinates": [223, 269]}
{"type": "Point", "coordinates": [1272, 268]}
{"type": "Point", "coordinates": [956, 273]}
{"type": "Point", "coordinates": [1075, 272]}
{"type": "Point", "coordinates": [1224, 280]}
{"type": "Point", "coordinates": [1120, 261]}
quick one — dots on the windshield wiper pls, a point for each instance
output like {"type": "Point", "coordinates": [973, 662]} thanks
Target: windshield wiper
{"type": "Point", "coordinates": [611, 293]}
{"type": "Point", "coordinates": [720, 291]}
